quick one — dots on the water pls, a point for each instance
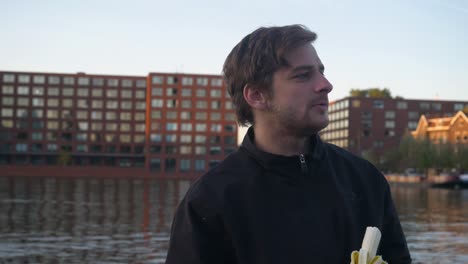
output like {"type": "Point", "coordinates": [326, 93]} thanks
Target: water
{"type": "Point", "coordinates": [50, 220]}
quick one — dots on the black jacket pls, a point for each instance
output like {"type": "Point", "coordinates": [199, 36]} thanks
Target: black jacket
{"type": "Point", "coordinates": [257, 207]}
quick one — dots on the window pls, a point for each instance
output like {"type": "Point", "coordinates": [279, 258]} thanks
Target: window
{"type": "Point", "coordinates": [413, 115]}
{"type": "Point", "coordinates": [424, 106]}
{"type": "Point", "coordinates": [96, 115]}
{"type": "Point", "coordinates": [111, 126]}
{"type": "Point", "coordinates": [186, 127]}
{"type": "Point", "coordinates": [23, 78]}
{"type": "Point", "coordinates": [7, 101]}
{"type": "Point", "coordinates": [457, 107]}
{"type": "Point", "coordinates": [139, 116]}
{"type": "Point", "coordinates": [186, 150]}
{"type": "Point", "coordinates": [8, 78]}
{"type": "Point", "coordinates": [215, 93]}
{"type": "Point", "coordinates": [83, 92]}
{"type": "Point", "coordinates": [140, 106]}
{"type": "Point", "coordinates": [111, 115]}
{"type": "Point", "coordinates": [156, 79]}
{"type": "Point", "coordinates": [171, 115]}
{"type": "Point", "coordinates": [81, 136]}
{"type": "Point", "coordinates": [228, 105]}
{"type": "Point", "coordinates": [23, 90]}
{"type": "Point", "coordinates": [184, 165]}
{"type": "Point", "coordinates": [171, 103]}
{"type": "Point", "coordinates": [379, 104]}
{"type": "Point", "coordinates": [230, 117]}
{"type": "Point", "coordinates": [170, 165]}
{"type": "Point", "coordinates": [96, 92]}
{"type": "Point", "coordinates": [68, 80]}
{"type": "Point", "coordinates": [171, 138]}
{"type": "Point", "coordinates": [38, 90]}
{"type": "Point", "coordinates": [68, 91]}
{"type": "Point", "coordinates": [52, 114]}
{"type": "Point", "coordinates": [7, 123]}
{"type": "Point", "coordinates": [171, 126]}
{"type": "Point", "coordinates": [96, 126]}
{"type": "Point", "coordinates": [216, 127]}
{"type": "Point", "coordinates": [215, 150]}
{"type": "Point", "coordinates": [155, 165]}
{"type": "Point", "coordinates": [82, 103]}
{"type": "Point", "coordinates": [7, 89]}
{"type": "Point", "coordinates": [187, 81]}
{"type": "Point", "coordinates": [230, 128]}
{"type": "Point", "coordinates": [111, 104]}
{"type": "Point", "coordinates": [66, 103]}
{"type": "Point", "coordinates": [201, 116]}
{"type": "Point", "coordinates": [52, 147]}
{"type": "Point", "coordinates": [200, 139]}
{"type": "Point", "coordinates": [83, 81]}
{"type": "Point", "coordinates": [186, 138]}
{"type": "Point", "coordinates": [215, 105]}
{"type": "Point", "coordinates": [155, 114]}
{"type": "Point", "coordinates": [356, 103]}
{"type": "Point", "coordinates": [202, 81]}
{"type": "Point", "coordinates": [201, 93]}
{"type": "Point", "coordinates": [200, 127]}
{"type": "Point", "coordinates": [126, 94]}
{"type": "Point", "coordinates": [436, 106]}
{"type": "Point", "coordinates": [200, 150]}
{"type": "Point", "coordinates": [126, 105]}
{"type": "Point", "coordinates": [157, 103]}
{"type": "Point", "coordinates": [140, 127]}
{"type": "Point", "coordinates": [140, 94]}
{"type": "Point", "coordinates": [390, 114]}
{"type": "Point", "coordinates": [111, 93]}
{"type": "Point", "coordinates": [96, 104]}
{"type": "Point", "coordinates": [141, 83]}
{"type": "Point", "coordinates": [83, 126]}
{"type": "Point", "coordinates": [185, 115]}
{"type": "Point", "coordinates": [53, 80]}
{"type": "Point", "coordinates": [216, 82]}
{"type": "Point", "coordinates": [229, 140]}
{"type": "Point", "coordinates": [157, 91]}
{"type": "Point", "coordinates": [389, 124]}
{"type": "Point", "coordinates": [36, 136]}
{"type": "Point", "coordinates": [412, 125]}
{"type": "Point", "coordinates": [186, 92]}
{"type": "Point", "coordinates": [186, 104]}
{"type": "Point", "coordinates": [155, 137]}
{"type": "Point", "coordinates": [171, 91]}
{"type": "Point", "coordinates": [126, 83]}
{"type": "Point", "coordinates": [126, 116]}
{"type": "Point", "coordinates": [112, 82]}
{"type": "Point", "coordinates": [125, 138]}
{"type": "Point", "coordinates": [201, 104]}
{"type": "Point", "coordinates": [402, 105]}
{"type": "Point", "coordinates": [199, 165]}
{"type": "Point", "coordinates": [23, 101]}
{"type": "Point", "coordinates": [53, 91]}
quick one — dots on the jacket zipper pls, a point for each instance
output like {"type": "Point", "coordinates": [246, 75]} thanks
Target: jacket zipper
{"type": "Point", "coordinates": [304, 168]}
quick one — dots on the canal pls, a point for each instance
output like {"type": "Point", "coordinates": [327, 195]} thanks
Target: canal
{"type": "Point", "coordinates": [57, 220]}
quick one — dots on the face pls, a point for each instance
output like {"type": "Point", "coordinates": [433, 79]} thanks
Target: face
{"type": "Point", "coordinates": [299, 102]}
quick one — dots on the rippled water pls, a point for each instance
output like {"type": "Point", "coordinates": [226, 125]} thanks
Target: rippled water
{"type": "Point", "coordinates": [50, 220]}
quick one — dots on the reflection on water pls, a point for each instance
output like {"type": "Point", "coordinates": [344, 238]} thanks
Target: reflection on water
{"type": "Point", "coordinates": [435, 222]}
{"type": "Point", "coordinates": [83, 220]}
{"type": "Point", "coordinates": [49, 220]}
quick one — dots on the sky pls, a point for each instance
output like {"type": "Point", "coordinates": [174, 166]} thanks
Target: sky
{"type": "Point", "coordinates": [416, 48]}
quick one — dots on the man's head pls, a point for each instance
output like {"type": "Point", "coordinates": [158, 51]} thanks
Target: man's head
{"type": "Point", "coordinates": [268, 62]}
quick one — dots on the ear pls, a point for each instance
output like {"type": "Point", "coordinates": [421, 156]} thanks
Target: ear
{"type": "Point", "coordinates": [254, 97]}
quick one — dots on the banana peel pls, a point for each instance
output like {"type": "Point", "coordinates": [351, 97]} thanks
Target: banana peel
{"type": "Point", "coordinates": [367, 253]}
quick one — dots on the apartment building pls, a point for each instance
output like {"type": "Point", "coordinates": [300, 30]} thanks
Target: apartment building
{"type": "Point", "coordinates": [170, 125]}
{"type": "Point", "coordinates": [362, 124]}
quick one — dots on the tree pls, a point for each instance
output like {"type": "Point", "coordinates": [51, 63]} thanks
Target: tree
{"type": "Point", "coordinates": [371, 93]}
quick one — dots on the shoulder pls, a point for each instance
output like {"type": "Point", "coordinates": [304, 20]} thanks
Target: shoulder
{"type": "Point", "coordinates": [209, 190]}
{"type": "Point", "coordinates": [359, 167]}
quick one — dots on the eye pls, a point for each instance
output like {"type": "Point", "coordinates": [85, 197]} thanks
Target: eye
{"type": "Point", "coordinates": [303, 76]}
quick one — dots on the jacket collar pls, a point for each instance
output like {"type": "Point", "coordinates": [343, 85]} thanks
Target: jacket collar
{"type": "Point", "coordinates": [280, 162]}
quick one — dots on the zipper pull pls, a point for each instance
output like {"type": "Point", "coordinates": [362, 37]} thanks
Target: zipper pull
{"type": "Point", "coordinates": [304, 168]}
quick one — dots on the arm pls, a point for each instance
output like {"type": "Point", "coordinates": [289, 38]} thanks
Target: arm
{"type": "Point", "coordinates": [196, 236]}
{"type": "Point", "coordinates": [394, 249]}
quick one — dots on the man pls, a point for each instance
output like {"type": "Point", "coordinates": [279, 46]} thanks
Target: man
{"type": "Point", "coordinates": [285, 196]}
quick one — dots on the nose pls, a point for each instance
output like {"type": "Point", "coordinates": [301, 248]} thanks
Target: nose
{"type": "Point", "coordinates": [323, 85]}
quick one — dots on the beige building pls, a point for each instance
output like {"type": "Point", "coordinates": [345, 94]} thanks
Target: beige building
{"type": "Point", "coordinates": [443, 130]}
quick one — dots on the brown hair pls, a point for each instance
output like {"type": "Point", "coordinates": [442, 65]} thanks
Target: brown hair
{"type": "Point", "coordinates": [256, 58]}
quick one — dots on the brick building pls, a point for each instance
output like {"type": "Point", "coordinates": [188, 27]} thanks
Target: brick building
{"type": "Point", "coordinates": [375, 125]}
{"type": "Point", "coordinates": [167, 125]}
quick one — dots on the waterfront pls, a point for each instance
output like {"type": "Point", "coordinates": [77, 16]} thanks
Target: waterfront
{"type": "Point", "coordinates": [58, 220]}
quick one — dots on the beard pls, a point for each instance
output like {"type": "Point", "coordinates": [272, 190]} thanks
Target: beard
{"type": "Point", "coordinates": [288, 121]}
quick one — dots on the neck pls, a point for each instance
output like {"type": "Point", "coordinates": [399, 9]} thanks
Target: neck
{"type": "Point", "coordinates": [279, 142]}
